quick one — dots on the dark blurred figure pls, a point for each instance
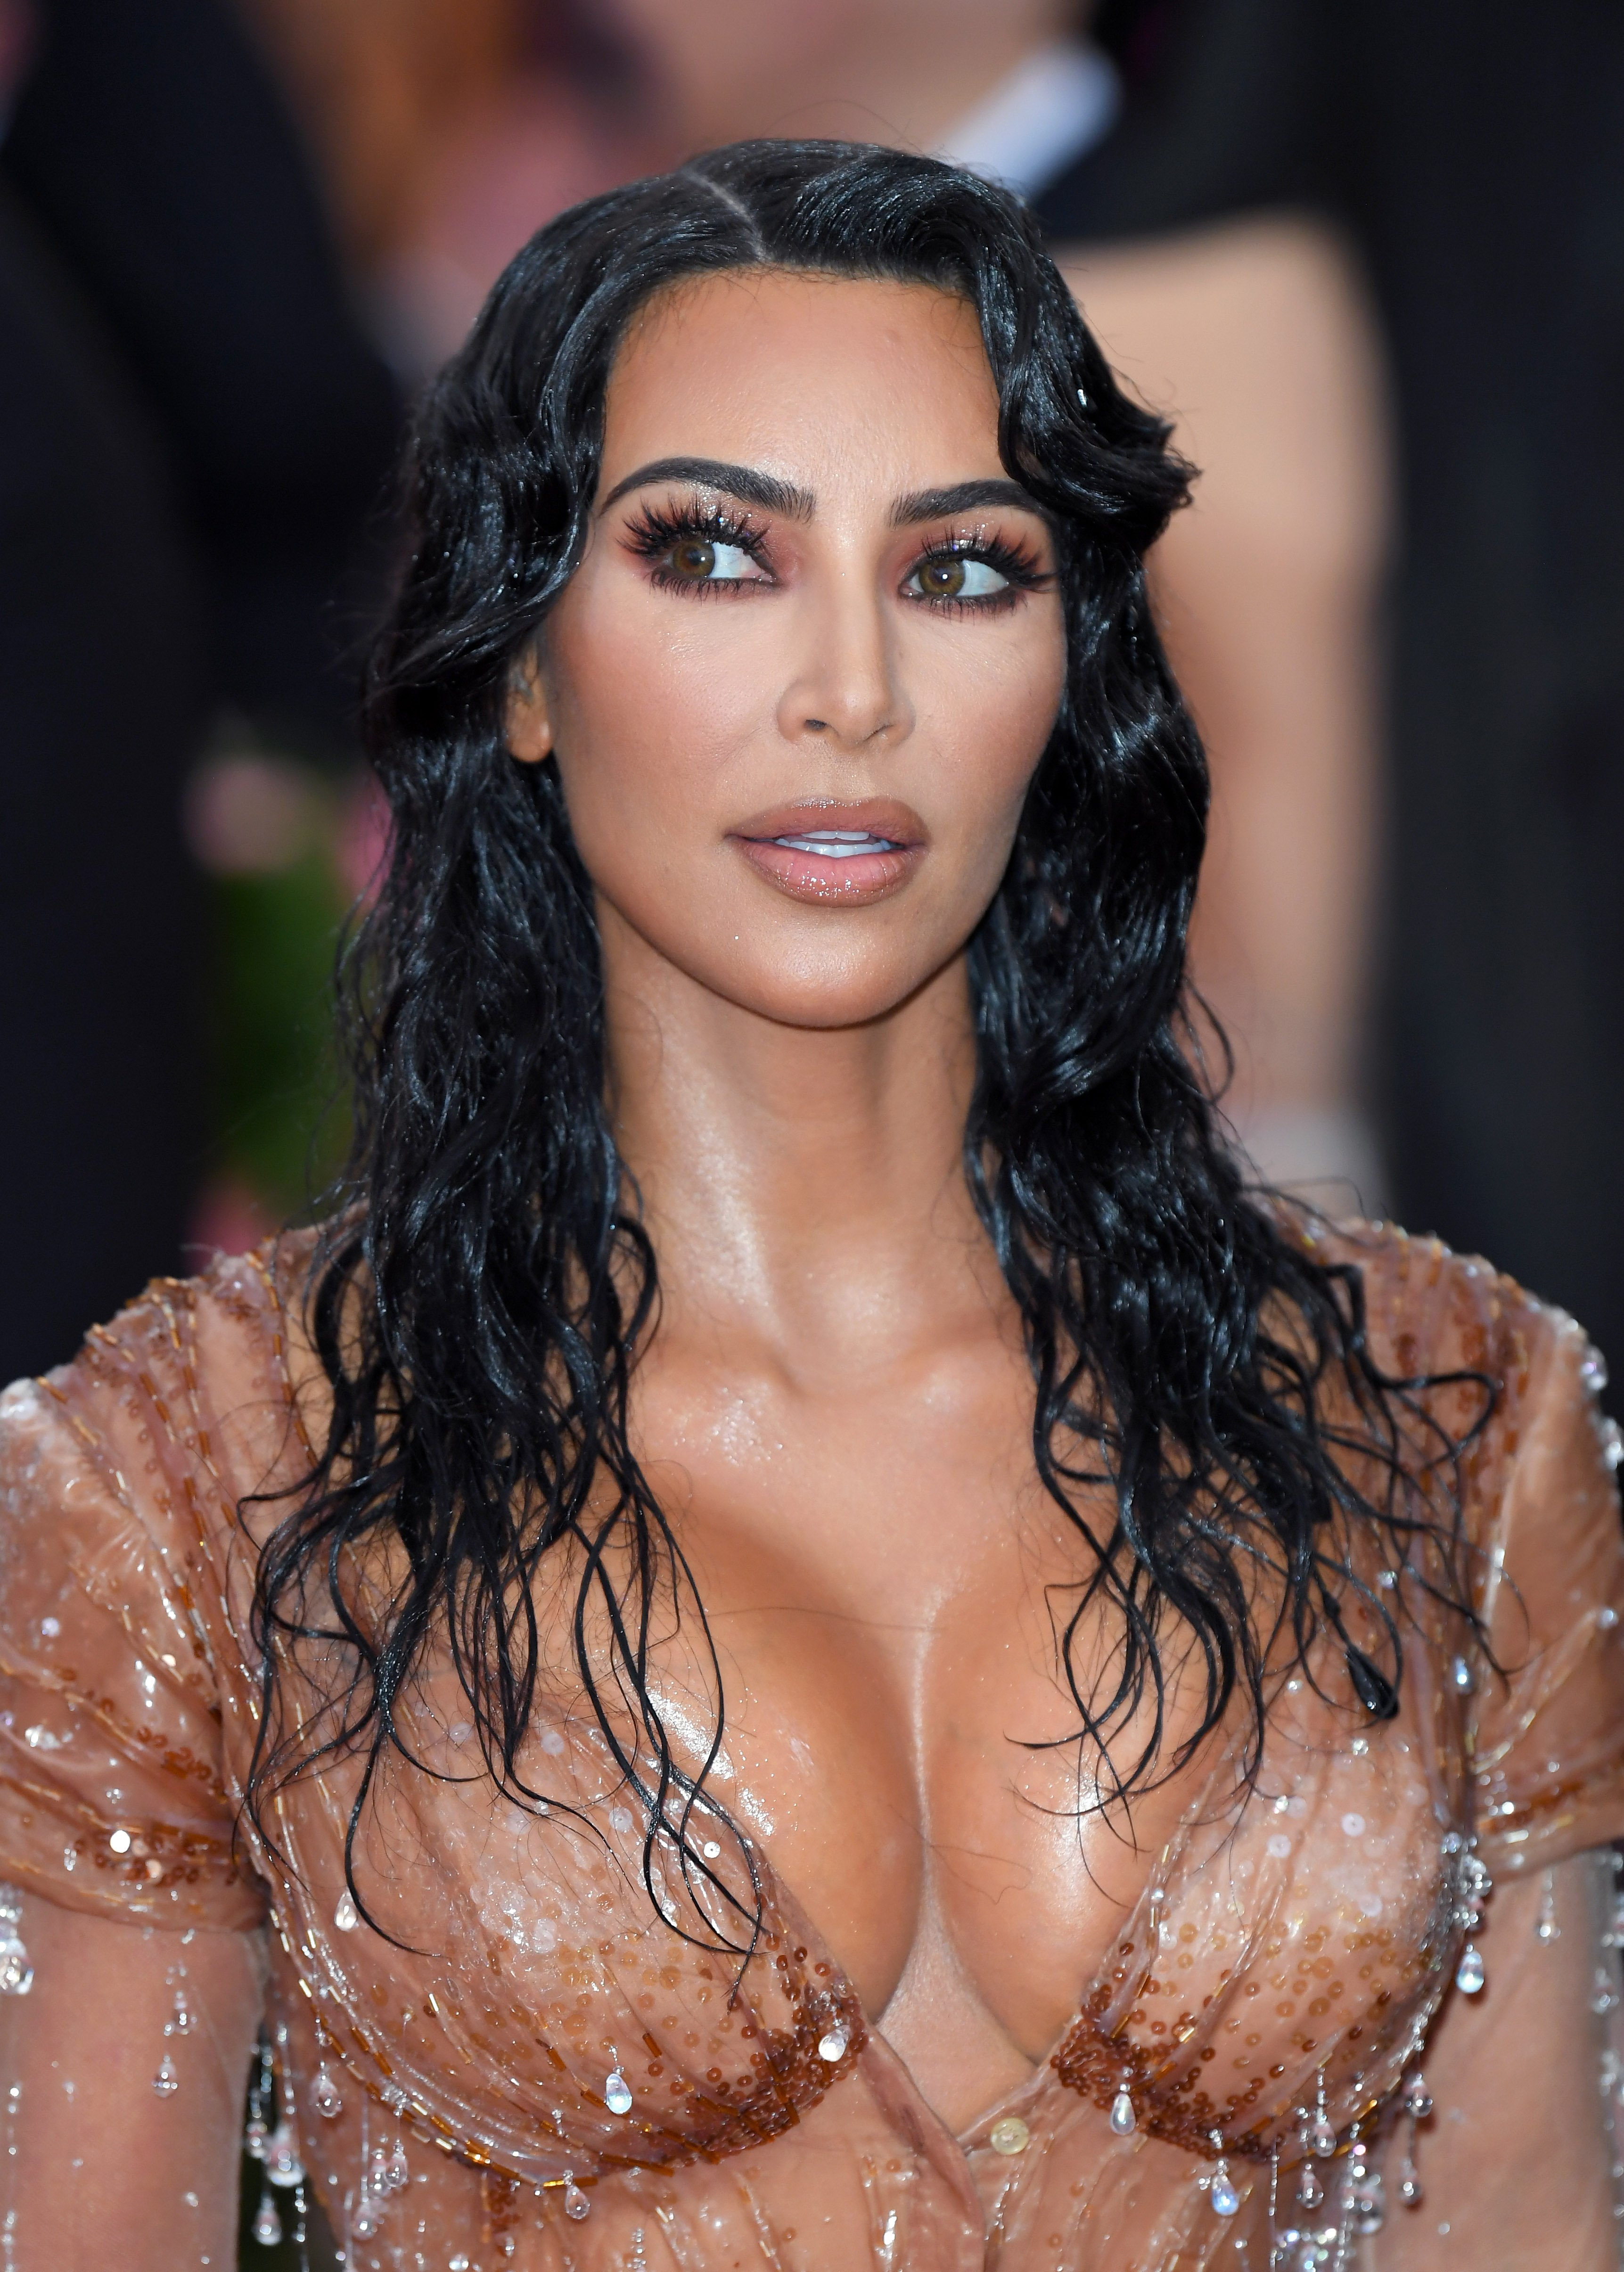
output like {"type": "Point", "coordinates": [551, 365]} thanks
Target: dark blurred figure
{"type": "Point", "coordinates": [192, 430]}
{"type": "Point", "coordinates": [1475, 157]}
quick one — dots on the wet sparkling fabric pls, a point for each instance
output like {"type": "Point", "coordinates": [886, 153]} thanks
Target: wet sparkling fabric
{"type": "Point", "coordinates": [528, 2066]}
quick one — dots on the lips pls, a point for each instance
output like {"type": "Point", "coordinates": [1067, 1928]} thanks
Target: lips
{"type": "Point", "coordinates": [846, 855]}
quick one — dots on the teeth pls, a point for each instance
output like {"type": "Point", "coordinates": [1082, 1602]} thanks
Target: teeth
{"type": "Point", "coordinates": [836, 843]}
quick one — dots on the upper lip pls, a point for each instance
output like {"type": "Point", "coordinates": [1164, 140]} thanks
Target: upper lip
{"type": "Point", "coordinates": [880, 816]}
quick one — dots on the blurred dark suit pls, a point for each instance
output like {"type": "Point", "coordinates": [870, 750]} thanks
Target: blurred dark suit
{"type": "Point", "coordinates": [1475, 157]}
{"type": "Point", "coordinates": [192, 430]}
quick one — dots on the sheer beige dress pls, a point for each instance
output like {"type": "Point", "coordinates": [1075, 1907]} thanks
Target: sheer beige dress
{"type": "Point", "coordinates": [526, 2066]}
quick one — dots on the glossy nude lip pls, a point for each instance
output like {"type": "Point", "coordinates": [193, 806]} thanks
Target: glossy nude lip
{"type": "Point", "coordinates": [847, 874]}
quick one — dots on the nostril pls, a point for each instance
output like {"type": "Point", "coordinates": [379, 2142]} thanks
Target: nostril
{"type": "Point", "coordinates": [817, 725]}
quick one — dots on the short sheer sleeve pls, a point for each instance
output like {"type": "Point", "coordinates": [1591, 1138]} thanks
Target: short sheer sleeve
{"type": "Point", "coordinates": [112, 1791]}
{"type": "Point", "coordinates": [1549, 1744]}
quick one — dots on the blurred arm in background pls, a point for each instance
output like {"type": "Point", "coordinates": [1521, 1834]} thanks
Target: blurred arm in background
{"type": "Point", "coordinates": [1256, 338]}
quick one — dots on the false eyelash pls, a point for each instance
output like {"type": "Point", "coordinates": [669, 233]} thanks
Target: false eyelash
{"type": "Point", "coordinates": [1013, 561]}
{"type": "Point", "coordinates": [655, 530]}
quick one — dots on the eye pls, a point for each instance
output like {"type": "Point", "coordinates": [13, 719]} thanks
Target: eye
{"type": "Point", "coordinates": [956, 576]}
{"type": "Point", "coordinates": [706, 560]}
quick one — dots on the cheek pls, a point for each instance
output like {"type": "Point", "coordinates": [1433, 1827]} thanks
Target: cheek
{"type": "Point", "coordinates": [650, 718]}
{"type": "Point", "coordinates": [988, 711]}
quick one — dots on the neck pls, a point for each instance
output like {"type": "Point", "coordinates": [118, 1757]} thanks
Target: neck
{"type": "Point", "coordinates": [803, 1185]}
{"type": "Point", "coordinates": [903, 73]}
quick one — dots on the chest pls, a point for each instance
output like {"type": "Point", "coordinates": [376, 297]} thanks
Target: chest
{"type": "Point", "coordinates": [889, 1589]}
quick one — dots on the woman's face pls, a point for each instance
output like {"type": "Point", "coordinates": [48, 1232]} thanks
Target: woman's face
{"type": "Point", "coordinates": [799, 683]}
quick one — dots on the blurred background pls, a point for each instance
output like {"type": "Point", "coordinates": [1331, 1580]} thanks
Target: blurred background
{"type": "Point", "coordinates": [1371, 260]}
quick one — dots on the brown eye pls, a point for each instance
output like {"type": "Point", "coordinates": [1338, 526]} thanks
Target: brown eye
{"type": "Point", "coordinates": [943, 578]}
{"type": "Point", "coordinates": [956, 576]}
{"type": "Point", "coordinates": [694, 559]}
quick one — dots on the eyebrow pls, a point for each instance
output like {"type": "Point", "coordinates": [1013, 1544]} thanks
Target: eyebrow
{"type": "Point", "coordinates": [964, 497]}
{"type": "Point", "coordinates": [749, 485]}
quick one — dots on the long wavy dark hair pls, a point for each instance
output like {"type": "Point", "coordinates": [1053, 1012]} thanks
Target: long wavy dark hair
{"type": "Point", "coordinates": [485, 1283]}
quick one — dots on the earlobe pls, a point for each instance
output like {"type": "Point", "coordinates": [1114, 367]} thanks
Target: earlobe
{"type": "Point", "coordinates": [529, 725]}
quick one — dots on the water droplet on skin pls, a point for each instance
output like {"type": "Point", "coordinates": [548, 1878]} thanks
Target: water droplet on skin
{"type": "Point", "coordinates": [833, 2046]}
{"type": "Point", "coordinates": [1123, 2119]}
{"type": "Point", "coordinates": [165, 2082]}
{"type": "Point", "coordinates": [1469, 1973]}
{"type": "Point", "coordinates": [618, 2094]}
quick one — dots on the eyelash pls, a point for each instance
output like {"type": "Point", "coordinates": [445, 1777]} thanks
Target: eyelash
{"type": "Point", "coordinates": [657, 529]}
{"type": "Point", "coordinates": [654, 532]}
{"type": "Point", "coordinates": [1018, 565]}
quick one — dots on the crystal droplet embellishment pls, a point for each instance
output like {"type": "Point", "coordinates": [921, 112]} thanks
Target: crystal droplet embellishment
{"type": "Point", "coordinates": [346, 1916]}
{"type": "Point", "coordinates": [833, 2046]}
{"type": "Point", "coordinates": [324, 2094]}
{"type": "Point", "coordinates": [165, 2082]}
{"type": "Point", "coordinates": [1469, 1973]}
{"type": "Point", "coordinates": [1124, 2121]}
{"type": "Point", "coordinates": [267, 2227]}
{"type": "Point", "coordinates": [1221, 2193]}
{"type": "Point", "coordinates": [16, 1972]}
{"type": "Point", "coordinates": [577, 2204]}
{"type": "Point", "coordinates": [1322, 2139]}
{"type": "Point", "coordinates": [282, 2164]}
{"type": "Point", "coordinates": [618, 2094]}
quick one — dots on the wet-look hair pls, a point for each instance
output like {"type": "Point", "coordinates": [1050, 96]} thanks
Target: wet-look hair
{"type": "Point", "coordinates": [1202, 1392]}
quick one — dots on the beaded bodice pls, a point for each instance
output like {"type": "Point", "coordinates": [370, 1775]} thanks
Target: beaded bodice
{"type": "Point", "coordinates": [525, 2044]}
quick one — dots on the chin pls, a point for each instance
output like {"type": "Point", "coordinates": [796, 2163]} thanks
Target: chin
{"type": "Point", "coordinates": [826, 1003]}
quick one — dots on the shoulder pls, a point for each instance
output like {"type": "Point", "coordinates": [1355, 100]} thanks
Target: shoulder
{"type": "Point", "coordinates": [1433, 1316]}
{"type": "Point", "coordinates": [191, 1388]}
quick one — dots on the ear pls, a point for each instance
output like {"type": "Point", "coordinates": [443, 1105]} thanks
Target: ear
{"type": "Point", "coordinates": [529, 727]}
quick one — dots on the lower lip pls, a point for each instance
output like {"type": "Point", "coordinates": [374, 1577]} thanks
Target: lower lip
{"type": "Point", "coordinates": [853, 882]}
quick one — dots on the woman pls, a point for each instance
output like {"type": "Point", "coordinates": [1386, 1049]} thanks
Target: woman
{"type": "Point", "coordinates": [824, 1646]}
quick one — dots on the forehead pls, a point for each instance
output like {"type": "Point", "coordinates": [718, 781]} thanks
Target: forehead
{"type": "Point", "coordinates": [805, 375]}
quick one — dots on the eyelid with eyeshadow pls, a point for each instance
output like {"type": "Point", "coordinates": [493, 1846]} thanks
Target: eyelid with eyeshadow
{"type": "Point", "coordinates": [656, 528]}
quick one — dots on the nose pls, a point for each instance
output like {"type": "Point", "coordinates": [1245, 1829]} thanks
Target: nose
{"type": "Point", "coordinates": [845, 689]}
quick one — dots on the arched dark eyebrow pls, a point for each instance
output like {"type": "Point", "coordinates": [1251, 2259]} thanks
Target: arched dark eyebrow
{"type": "Point", "coordinates": [745, 482]}
{"type": "Point", "coordinates": [964, 497]}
